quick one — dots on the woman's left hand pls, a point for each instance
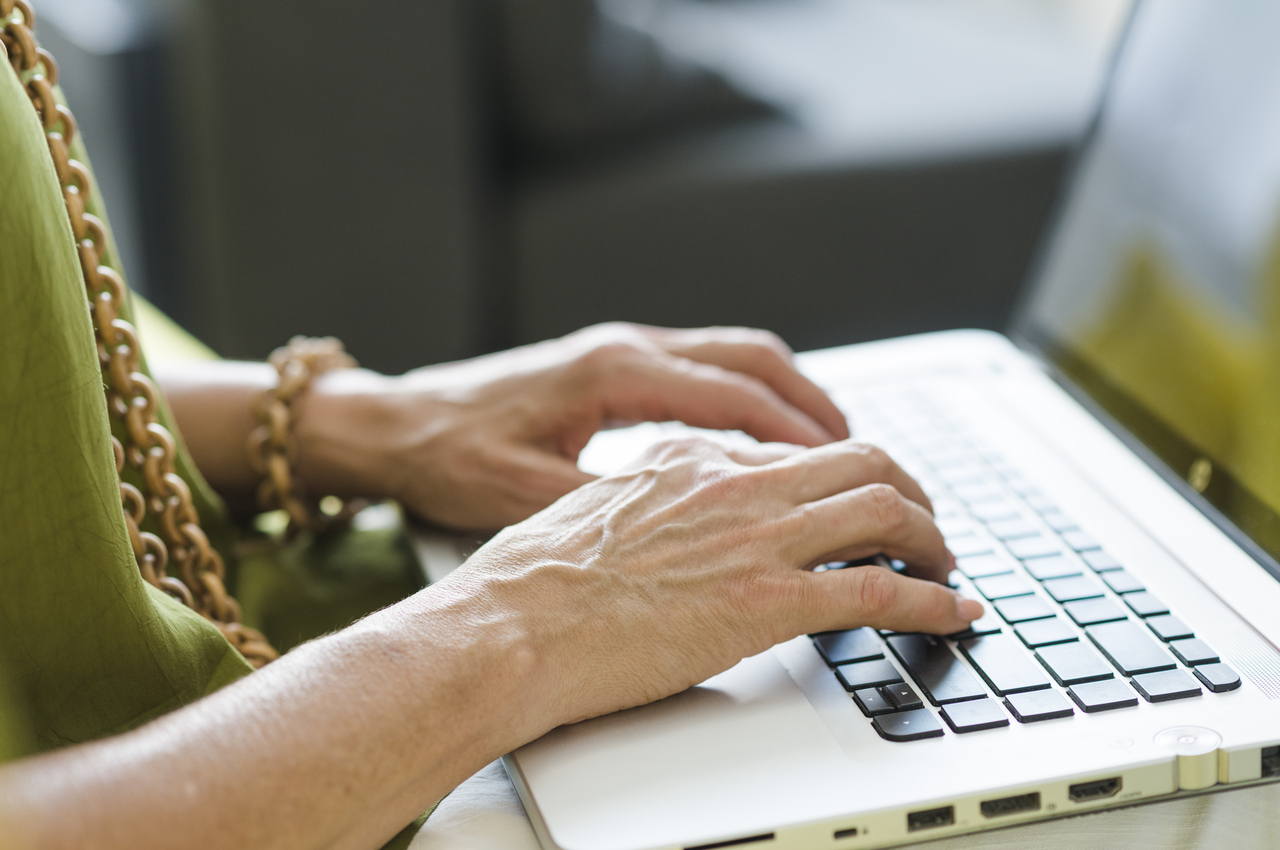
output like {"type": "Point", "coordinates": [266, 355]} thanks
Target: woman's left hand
{"type": "Point", "coordinates": [484, 443]}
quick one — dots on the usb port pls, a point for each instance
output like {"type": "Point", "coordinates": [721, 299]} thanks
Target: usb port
{"type": "Point", "coordinates": [931, 818]}
{"type": "Point", "coordinates": [1095, 790]}
{"type": "Point", "coordinates": [1011, 805]}
{"type": "Point", "coordinates": [1270, 762]}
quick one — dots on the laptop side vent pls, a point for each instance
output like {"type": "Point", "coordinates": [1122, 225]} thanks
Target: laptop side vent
{"type": "Point", "coordinates": [736, 842]}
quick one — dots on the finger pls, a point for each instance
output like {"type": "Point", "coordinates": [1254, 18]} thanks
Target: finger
{"type": "Point", "coordinates": [872, 519]}
{"type": "Point", "coordinates": [882, 599]}
{"type": "Point", "coordinates": [536, 478]}
{"type": "Point", "coordinates": [663, 387]}
{"type": "Point", "coordinates": [763, 356]}
{"type": "Point", "coordinates": [846, 465]}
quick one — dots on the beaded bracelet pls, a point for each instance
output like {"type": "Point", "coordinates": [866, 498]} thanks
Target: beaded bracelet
{"type": "Point", "coordinates": [271, 447]}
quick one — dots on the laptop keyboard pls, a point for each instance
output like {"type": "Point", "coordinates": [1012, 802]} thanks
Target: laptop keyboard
{"type": "Point", "coordinates": [1066, 629]}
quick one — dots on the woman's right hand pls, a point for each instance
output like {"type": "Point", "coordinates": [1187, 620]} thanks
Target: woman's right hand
{"type": "Point", "coordinates": [645, 583]}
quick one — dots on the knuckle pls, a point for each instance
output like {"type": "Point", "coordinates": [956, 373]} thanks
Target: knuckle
{"type": "Point", "coordinates": [608, 356]}
{"type": "Point", "coordinates": [885, 506]}
{"type": "Point", "coordinates": [721, 485]}
{"type": "Point", "coordinates": [876, 459]}
{"type": "Point", "coordinates": [757, 337]}
{"type": "Point", "coordinates": [877, 592]}
{"type": "Point", "coordinates": [771, 341]}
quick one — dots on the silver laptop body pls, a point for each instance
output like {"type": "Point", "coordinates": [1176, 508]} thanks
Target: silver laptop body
{"type": "Point", "coordinates": [1105, 483]}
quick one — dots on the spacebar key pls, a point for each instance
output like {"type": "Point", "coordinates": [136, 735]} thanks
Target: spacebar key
{"type": "Point", "coordinates": [943, 677]}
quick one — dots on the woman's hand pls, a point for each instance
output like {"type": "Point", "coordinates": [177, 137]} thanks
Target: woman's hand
{"type": "Point", "coordinates": [487, 442]}
{"type": "Point", "coordinates": [642, 584]}
{"type": "Point", "coordinates": [628, 589]}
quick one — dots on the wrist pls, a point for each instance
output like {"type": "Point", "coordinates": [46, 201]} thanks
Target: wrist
{"type": "Point", "coordinates": [484, 672]}
{"type": "Point", "coordinates": [338, 426]}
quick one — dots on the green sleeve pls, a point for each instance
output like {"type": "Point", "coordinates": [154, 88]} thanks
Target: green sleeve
{"type": "Point", "coordinates": [88, 647]}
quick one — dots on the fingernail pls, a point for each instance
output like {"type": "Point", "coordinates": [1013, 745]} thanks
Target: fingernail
{"type": "Point", "coordinates": [970, 609]}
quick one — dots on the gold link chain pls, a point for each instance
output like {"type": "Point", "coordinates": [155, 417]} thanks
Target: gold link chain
{"type": "Point", "coordinates": [132, 398]}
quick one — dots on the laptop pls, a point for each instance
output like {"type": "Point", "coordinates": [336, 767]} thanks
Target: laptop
{"type": "Point", "coordinates": [1108, 477]}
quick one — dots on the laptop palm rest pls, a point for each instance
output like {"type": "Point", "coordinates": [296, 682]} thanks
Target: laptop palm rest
{"type": "Point", "coordinates": [727, 757]}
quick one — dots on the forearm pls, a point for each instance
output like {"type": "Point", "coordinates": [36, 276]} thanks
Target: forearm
{"type": "Point", "coordinates": [339, 744]}
{"type": "Point", "coordinates": [214, 405]}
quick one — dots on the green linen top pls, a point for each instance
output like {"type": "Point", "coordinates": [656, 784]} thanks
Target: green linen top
{"type": "Point", "coordinates": [87, 647]}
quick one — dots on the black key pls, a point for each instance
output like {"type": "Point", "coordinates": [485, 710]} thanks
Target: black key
{"type": "Point", "coordinates": [1145, 605]}
{"type": "Point", "coordinates": [963, 547]}
{"type": "Point", "coordinates": [908, 725]}
{"type": "Point", "coordinates": [1038, 705]}
{"type": "Point", "coordinates": [1100, 561]}
{"type": "Point", "coordinates": [937, 671]}
{"type": "Point", "coordinates": [1087, 612]}
{"type": "Point", "coordinates": [1079, 541]}
{"type": "Point", "coordinates": [1012, 529]}
{"type": "Point", "coordinates": [1129, 648]}
{"type": "Point", "coordinates": [1019, 609]}
{"type": "Point", "coordinates": [1102, 696]}
{"type": "Point", "coordinates": [1005, 667]}
{"type": "Point", "coordinates": [1033, 547]}
{"type": "Point", "coordinates": [1051, 567]}
{"type": "Point", "coordinates": [1002, 587]}
{"type": "Point", "coordinates": [872, 702]}
{"type": "Point", "coordinates": [974, 715]}
{"type": "Point", "coordinates": [1060, 522]}
{"type": "Point", "coordinates": [1038, 633]}
{"type": "Point", "coordinates": [1166, 685]}
{"type": "Point", "coordinates": [1193, 652]}
{"type": "Point", "coordinates": [1218, 678]}
{"type": "Point", "coordinates": [1169, 627]}
{"type": "Point", "coordinates": [994, 511]}
{"type": "Point", "coordinates": [1073, 663]}
{"type": "Point", "coordinates": [853, 645]}
{"type": "Point", "coordinates": [980, 566]}
{"type": "Point", "coordinates": [867, 674]}
{"type": "Point", "coordinates": [1122, 582]}
{"type": "Point", "coordinates": [974, 494]}
{"type": "Point", "coordinates": [988, 624]}
{"type": "Point", "coordinates": [902, 696]}
{"type": "Point", "coordinates": [1072, 589]}
{"type": "Point", "coordinates": [1042, 504]}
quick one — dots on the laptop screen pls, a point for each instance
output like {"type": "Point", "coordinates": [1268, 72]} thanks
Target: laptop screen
{"type": "Point", "coordinates": [1159, 289]}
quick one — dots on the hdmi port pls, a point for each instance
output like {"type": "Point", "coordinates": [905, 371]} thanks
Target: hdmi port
{"type": "Point", "coordinates": [1095, 790]}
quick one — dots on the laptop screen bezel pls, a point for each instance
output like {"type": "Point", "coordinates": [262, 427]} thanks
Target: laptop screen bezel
{"type": "Point", "coordinates": [1057, 358]}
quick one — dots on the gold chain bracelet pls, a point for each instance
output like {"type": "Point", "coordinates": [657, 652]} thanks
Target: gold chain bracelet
{"type": "Point", "coordinates": [271, 446]}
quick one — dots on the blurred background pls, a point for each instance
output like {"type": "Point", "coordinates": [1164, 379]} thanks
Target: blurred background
{"type": "Point", "coordinates": [433, 179]}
